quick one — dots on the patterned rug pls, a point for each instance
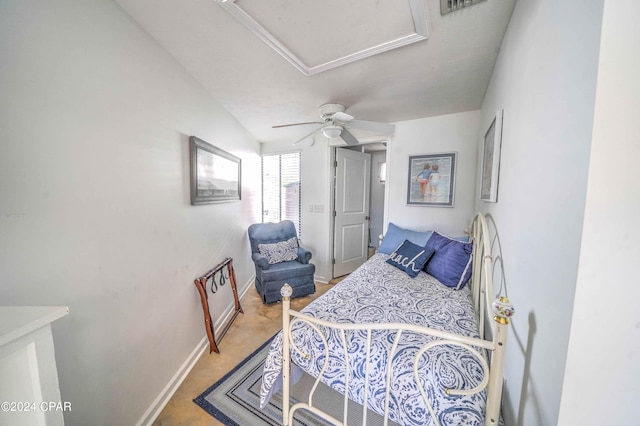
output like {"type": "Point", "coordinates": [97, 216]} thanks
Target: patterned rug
{"type": "Point", "coordinates": [235, 399]}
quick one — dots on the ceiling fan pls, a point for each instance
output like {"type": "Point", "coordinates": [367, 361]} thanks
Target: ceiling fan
{"type": "Point", "coordinates": [336, 124]}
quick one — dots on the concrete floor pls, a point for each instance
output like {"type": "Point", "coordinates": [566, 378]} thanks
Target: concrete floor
{"type": "Point", "coordinates": [249, 331]}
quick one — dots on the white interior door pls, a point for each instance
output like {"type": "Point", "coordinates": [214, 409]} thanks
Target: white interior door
{"type": "Point", "coordinates": [351, 224]}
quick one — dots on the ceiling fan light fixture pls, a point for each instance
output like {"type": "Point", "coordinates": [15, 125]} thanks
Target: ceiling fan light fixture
{"type": "Point", "coordinates": [332, 131]}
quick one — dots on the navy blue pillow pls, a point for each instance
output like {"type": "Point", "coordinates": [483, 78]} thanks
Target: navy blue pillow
{"type": "Point", "coordinates": [410, 257]}
{"type": "Point", "coordinates": [451, 262]}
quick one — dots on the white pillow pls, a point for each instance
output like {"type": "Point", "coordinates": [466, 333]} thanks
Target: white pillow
{"type": "Point", "coordinates": [280, 252]}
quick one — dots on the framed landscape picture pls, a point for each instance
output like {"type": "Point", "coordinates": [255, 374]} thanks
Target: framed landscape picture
{"type": "Point", "coordinates": [431, 180]}
{"type": "Point", "coordinates": [215, 174]}
{"type": "Point", "coordinates": [491, 160]}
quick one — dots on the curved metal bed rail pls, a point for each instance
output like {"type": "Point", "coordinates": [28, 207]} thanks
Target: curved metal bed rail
{"type": "Point", "coordinates": [444, 338]}
{"type": "Point", "coordinates": [482, 278]}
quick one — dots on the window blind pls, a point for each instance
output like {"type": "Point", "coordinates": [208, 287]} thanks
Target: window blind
{"type": "Point", "coordinates": [281, 188]}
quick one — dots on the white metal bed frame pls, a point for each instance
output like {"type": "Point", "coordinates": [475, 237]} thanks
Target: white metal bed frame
{"type": "Point", "coordinates": [490, 356]}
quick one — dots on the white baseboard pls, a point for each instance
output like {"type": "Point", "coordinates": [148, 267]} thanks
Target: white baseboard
{"type": "Point", "coordinates": [167, 392]}
{"type": "Point", "coordinates": [321, 280]}
{"type": "Point", "coordinates": [165, 395]}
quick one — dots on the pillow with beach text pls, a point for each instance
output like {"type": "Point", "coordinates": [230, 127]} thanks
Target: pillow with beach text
{"type": "Point", "coordinates": [410, 257]}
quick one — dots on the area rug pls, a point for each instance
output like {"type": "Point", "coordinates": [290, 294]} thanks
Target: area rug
{"type": "Point", "coordinates": [235, 399]}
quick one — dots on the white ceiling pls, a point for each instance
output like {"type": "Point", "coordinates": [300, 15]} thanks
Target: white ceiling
{"type": "Point", "coordinates": [445, 73]}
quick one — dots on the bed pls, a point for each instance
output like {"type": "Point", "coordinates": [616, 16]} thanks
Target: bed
{"type": "Point", "coordinates": [411, 349]}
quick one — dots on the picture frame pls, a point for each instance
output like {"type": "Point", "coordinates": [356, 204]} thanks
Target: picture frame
{"type": "Point", "coordinates": [431, 186]}
{"type": "Point", "coordinates": [492, 143]}
{"type": "Point", "coordinates": [215, 174]}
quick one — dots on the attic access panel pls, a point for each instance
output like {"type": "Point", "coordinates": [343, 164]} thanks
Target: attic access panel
{"type": "Point", "coordinates": [319, 36]}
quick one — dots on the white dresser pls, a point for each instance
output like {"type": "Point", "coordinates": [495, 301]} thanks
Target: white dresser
{"type": "Point", "coordinates": [29, 389]}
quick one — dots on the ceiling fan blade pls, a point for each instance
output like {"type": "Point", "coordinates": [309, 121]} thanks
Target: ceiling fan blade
{"type": "Point", "coordinates": [341, 116]}
{"type": "Point", "coordinates": [296, 124]}
{"type": "Point", "coordinates": [348, 137]}
{"type": "Point", "coordinates": [305, 137]}
{"type": "Point", "coordinates": [373, 126]}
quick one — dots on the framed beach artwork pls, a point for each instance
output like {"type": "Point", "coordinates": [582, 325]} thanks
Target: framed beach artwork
{"type": "Point", "coordinates": [215, 174]}
{"type": "Point", "coordinates": [431, 180]}
{"type": "Point", "coordinates": [491, 160]}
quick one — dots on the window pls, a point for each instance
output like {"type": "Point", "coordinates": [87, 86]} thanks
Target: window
{"type": "Point", "coordinates": [382, 172]}
{"type": "Point", "coordinates": [281, 188]}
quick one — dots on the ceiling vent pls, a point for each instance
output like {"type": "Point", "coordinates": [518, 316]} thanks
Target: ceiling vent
{"type": "Point", "coordinates": [448, 6]}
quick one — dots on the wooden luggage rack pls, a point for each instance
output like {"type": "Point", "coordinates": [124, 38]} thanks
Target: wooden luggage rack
{"type": "Point", "coordinates": [223, 272]}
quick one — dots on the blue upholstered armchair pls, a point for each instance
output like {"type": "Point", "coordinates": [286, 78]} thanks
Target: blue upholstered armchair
{"type": "Point", "coordinates": [279, 260]}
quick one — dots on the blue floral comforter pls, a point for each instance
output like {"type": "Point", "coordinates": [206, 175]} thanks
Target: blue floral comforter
{"type": "Point", "coordinates": [380, 293]}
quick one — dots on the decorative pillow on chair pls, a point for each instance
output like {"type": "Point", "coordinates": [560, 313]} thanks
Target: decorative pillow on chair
{"type": "Point", "coordinates": [396, 235]}
{"type": "Point", "coordinates": [451, 262]}
{"type": "Point", "coordinates": [280, 252]}
{"type": "Point", "coordinates": [410, 257]}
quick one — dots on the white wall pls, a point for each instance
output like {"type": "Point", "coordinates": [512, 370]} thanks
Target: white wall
{"type": "Point", "coordinates": [446, 133]}
{"type": "Point", "coordinates": [602, 380]}
{"type": "Point", "coordinates": [315, 189]}
{"type": "Point", "coordinates": [544, 80]}
{"type": "Point", "coordinates": [455, 132]}
{"type": "Point", "coordinates": [94, 199]}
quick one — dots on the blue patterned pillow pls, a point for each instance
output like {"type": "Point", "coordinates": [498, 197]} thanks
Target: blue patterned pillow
{"type": "Point", "coordinates": [396, 235]}
{"type": "Point", "coordinates": [280, 252]}
{"type": "Point", "coordinates": [451, 262]}
{"type": "Point", "coordinates": [410, 257]}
